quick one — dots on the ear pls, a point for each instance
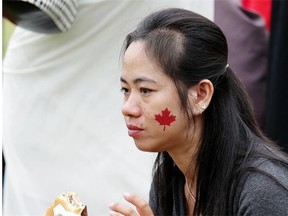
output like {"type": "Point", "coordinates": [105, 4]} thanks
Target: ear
{"type": "Point", "coordinates": [200, 96]}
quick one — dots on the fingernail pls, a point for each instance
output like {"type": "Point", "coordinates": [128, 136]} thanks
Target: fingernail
{"type": "Point", "coordinates": [111, 205]}
{"type": "Point", "coordinates": [126, 194]}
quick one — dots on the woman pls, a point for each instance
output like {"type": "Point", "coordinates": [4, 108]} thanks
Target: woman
{"type": "Point", "coordinates": [182, 100]}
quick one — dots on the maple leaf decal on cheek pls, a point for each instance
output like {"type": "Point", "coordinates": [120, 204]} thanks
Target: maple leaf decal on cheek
{"type": "Point", "coordinates": [165, 118]}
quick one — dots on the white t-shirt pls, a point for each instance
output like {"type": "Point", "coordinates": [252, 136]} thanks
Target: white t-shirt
{"type": "Point", "coordinates": [63, 128]}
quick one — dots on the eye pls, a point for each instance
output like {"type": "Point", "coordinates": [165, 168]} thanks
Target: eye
{"type": "Point", "coordinates": [124, 90]}
{"type": "Point", "coordinates": [145, 90]}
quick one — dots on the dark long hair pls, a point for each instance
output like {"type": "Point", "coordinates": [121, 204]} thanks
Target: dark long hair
{"type": "Point", "coordinates": [190, 48]}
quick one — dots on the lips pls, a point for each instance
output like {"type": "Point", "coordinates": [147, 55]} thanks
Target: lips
{"type": "Point", "coordinates": [134, 131]}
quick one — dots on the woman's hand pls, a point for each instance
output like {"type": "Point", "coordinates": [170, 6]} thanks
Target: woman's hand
{"type": "Point", "coordinates": [142, 207]}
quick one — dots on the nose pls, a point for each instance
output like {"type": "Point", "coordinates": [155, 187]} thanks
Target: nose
{"type": "Point", "coordinates": [131, 107]}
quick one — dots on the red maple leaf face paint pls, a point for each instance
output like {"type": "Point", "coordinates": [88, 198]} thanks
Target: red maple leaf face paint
{"type": "Point", "coordinates": [165, 118]}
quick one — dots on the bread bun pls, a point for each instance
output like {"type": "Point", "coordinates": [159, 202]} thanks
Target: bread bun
{"type": "Point", "coordinates": [67, 202]}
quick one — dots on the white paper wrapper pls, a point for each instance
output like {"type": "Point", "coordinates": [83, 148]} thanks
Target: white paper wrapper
{"type": "Point", "coordinates": [60, 211]}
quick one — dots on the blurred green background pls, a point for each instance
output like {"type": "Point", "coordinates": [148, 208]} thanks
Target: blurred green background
{"type": "Point", "coordinates": [7, 30]}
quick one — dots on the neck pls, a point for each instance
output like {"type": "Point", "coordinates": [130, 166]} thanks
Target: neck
{"type": "Point", "coordinates": [185, 154]}
{"type": "Point", "coordinates": [185, 158]}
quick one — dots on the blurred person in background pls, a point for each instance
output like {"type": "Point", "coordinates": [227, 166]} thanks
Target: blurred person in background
{"type": "Point", "coordinates": [256, 33]}
{"type": "Point", "coordinates": [248, 41]}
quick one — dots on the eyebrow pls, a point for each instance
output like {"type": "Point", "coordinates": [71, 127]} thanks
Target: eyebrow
{"type": "Point", "coordinates": [139, 80]}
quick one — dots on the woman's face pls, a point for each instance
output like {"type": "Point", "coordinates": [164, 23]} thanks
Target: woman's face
{"type": "Point", "coordinates": [151, 106]}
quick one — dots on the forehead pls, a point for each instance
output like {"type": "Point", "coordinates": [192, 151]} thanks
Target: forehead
{"type": "Point", "coordinates": [136, 60]}
{"type": "Point", "coordinates": [135, 52]}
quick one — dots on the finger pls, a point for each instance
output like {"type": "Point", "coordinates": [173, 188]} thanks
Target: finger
{"type": "Point", "coordinates": [119, 209]}
{"type": "Point", "coordinates": [113, 213]}
{"type": "Point", "coordinates": [142, 206]}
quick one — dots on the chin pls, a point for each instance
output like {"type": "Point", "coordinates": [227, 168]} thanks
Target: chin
{"type": "Point", "coordinates": [146, 147]}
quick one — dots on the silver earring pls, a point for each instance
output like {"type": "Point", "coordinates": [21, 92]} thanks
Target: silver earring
{"type": "Point", "coordinates": [202, 108]}
{"type": "Point", "coordinates": [200, 111]}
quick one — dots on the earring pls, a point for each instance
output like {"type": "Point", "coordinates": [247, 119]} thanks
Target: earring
{"type": "Point", "coordinates": [199, 111]}
{"type": "Point", "coordinates": [202, 108]}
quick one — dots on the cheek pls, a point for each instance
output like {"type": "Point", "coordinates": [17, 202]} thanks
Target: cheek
{"type": "Point", "coordinates": [165, 118]}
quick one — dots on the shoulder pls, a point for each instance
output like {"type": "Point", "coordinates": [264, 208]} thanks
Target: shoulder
{"type": "Point", "coordinates": [264, 191]}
